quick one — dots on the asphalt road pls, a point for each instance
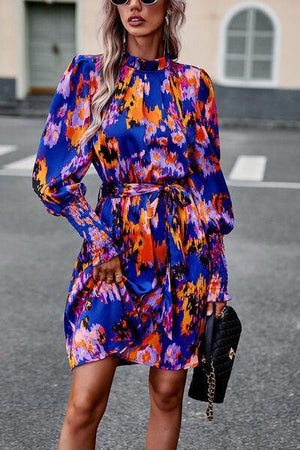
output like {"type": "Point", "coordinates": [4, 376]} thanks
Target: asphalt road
{"type": "Point", "coordinates": [261, 408]}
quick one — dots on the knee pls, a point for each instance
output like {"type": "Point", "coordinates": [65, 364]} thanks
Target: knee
{"type": "Point", "coordinates": [83, 411]}
{"type": "Point", "coordinates": [165, 399]}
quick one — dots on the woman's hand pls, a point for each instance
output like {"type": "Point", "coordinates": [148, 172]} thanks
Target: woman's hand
{"type": "Point", "coordinates": [219, 307]}
{"type": "Point", "coordinates": [109, 271]}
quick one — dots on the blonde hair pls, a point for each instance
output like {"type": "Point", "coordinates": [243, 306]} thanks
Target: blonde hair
{"type": "Point", "coordinates": [114, 35]}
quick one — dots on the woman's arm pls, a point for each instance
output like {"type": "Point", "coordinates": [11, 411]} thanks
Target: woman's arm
{"type": "Point", "coordinates": [209, 188]}
{"type": "Point", "coordinates": [61, 162]}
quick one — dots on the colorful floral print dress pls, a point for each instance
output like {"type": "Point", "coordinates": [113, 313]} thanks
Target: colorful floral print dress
{"type": "Point", "coordinates": [163, 208]}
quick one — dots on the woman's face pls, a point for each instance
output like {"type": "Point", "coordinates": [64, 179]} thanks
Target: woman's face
{"type": "Point", "coordinates": [152, 16]}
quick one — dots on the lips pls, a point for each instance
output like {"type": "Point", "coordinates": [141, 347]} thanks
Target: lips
{"type": "Point", "coordinates": [135, 19]}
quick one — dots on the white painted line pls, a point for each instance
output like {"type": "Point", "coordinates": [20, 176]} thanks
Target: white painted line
{"type": "Point", "coordinates": [21, 164]}
{"type": "Point", "coordinates": [251, 184]}
{"type": "Point", "coordinates": [24, 167]}
{"type": "Point", "coordinates": [264, 184]}
{"type": "Point", "coordinates": [15, 172]}
{"type": "Point", "coordinates": [27, 173]}
{"type": "Point", "coordinates": [4, 149]}
{"type": "Point", "coordinates": [249, 167]}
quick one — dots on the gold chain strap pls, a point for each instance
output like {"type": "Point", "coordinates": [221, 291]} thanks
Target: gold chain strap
{"type": "Point", "coordinates": [211, 383]}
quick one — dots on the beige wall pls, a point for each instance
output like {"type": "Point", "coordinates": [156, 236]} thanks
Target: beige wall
{"type": "Point", "coordinates": [91, 22]}
{"type": "Point", "coordinates": [8, 39]}
{"type": "Point", "coordinates": [200, 35]}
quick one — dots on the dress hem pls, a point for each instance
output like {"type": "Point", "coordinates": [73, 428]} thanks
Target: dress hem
{"type": "Point", "coordinates": [190, 366]}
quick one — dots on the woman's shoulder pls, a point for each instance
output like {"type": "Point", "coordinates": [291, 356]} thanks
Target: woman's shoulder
{"type": "Point", "coordinates": [91, 57]}
{"type": "Point", "coordinates": [86, 61]}
{"type": "Point", "coordinates": [196, 75]}
{"type": "Point", "coordinates": [88, 65]}
{"type": "Point", "coordinates": [93, 60]}
{"type": "Point", "coordinates": [204, 78]}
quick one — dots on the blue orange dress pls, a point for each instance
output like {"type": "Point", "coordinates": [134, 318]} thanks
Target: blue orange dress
{"type": "Point", "coordinates": [163, 207]}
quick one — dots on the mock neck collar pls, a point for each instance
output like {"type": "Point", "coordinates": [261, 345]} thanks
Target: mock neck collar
{"type": "Point", "coordinates": [143, 64]}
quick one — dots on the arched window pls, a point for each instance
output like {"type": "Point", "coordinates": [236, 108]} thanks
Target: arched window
{"type": "Point", "coordinates": [249, 45]}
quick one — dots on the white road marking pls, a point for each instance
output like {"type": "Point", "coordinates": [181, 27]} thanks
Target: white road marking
{"type": "Point", "coordinates": [21, 164]}
{"type": "Point", "coordinates": [24, 167]}
{"type": "Point", "coordinates": [253, 184]}
{"type": "Point", "coordinates": [21, 167]}
{"type": "Point", "coordinates": [4, 149]}
{"type": "Point", "coordinates": [249, 167]}
{"type": "Point", "coordinates": [264, 184]}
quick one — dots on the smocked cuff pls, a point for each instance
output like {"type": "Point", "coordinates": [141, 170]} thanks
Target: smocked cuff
{"type": "Point", "coordinates": [217, 292]}
{"type": "Point", "coordinates": [103, 254]}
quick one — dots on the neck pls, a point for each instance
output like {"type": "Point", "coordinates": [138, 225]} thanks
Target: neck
{"type": "Point", "coordinates": [143, 48]}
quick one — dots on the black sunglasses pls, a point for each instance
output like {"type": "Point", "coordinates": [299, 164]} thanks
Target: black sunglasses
{"type": "Point", "coordinates": [123, 2]}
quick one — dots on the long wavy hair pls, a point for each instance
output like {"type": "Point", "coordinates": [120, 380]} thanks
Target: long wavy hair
{"type": "Point", "coordinates": [114, 42]}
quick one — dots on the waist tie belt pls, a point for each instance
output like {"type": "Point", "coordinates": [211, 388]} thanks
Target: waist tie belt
{"type": "Point", "coordinates": [174, 195]}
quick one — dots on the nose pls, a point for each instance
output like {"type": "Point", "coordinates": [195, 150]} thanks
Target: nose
{"type": "Point", "coordinates": [134, 3]}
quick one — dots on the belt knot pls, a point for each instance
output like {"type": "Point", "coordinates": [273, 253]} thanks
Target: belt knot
{"type": "Point", "coordinates": [173, 190]}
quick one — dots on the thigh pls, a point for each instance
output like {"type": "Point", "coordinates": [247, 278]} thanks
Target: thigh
{"type": "Point", "coordinates": [92, 381]}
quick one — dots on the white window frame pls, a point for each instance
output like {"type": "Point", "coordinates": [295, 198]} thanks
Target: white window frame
{"type": "Point", "coordinates": [274, 81]}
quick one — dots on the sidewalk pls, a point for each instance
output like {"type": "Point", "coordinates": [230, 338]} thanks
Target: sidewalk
{"type": "Point", "coordinates": [31, 106]}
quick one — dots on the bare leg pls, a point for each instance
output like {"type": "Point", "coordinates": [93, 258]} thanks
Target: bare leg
{"type": "Point", "coordinates": [88, 397]}
{"type": "Point", "coordinates": [166, 389]}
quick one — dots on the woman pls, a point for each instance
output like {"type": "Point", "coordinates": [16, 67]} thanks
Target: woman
{"type": "Point", "coordinates": [152, 259]}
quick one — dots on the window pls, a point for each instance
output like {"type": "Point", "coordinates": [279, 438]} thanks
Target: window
{"type": "Point", "coordinates": [249, 45]}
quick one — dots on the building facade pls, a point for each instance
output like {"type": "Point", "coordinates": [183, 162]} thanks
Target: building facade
{"type": "Point", "coordinates": [249, 48]}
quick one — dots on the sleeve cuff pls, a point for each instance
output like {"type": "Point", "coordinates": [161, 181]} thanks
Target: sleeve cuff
{"type": "Point", "coordinates": [217, 292]}
{"type": "Point", "coordinates": [100, 244]}
{"type": "Point", "coordinates": [217, 286]}
{"type": "Point", "coordinates": [103, 254]}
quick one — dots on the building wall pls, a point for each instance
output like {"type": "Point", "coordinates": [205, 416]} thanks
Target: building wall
{"type": "Point", "coordinates": [201, 43]}
{"type": "Point", "coordinates": [203, 27]}
{"type": "Point", "coordinates": [7, 50]}
{"type": "Point", "coordinates": [7, 39]}
{"type": "Point", "coordinates": [201, 34]}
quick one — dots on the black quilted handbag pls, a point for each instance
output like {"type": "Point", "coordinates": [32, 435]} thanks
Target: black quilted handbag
{"type": "Point", "coordinates": [217, 351]}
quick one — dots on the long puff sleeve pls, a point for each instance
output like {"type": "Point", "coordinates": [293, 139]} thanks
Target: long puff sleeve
{"type": "Point", "coordinates": [61, 162]}
{"type": "Point", "coordinates": [209, 187]}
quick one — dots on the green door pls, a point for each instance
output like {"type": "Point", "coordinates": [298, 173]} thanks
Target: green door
{"type": "Point", "coordinates": [51, 33]}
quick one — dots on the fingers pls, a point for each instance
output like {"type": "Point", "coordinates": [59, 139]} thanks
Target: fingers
{"type": "Point", "coordinates": [110, 271]}
{"type": "Point", "coordinates": [119, 276]}
{"type": "Point", "coordinates": [95, 273]}
{"type": "Point", "coordinates": [103, 275]}
{"type": "Point", "coordinates": [209, 309]}
{"type": "Point", "coordinates": [219, 308]}
{"type": "Point", "coordinates": [99, 274]}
